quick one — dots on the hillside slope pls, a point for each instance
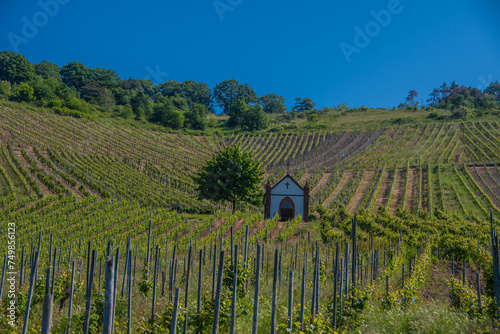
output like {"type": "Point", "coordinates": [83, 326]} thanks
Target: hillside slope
{"type": "Point", "coordinates": [417, 166]}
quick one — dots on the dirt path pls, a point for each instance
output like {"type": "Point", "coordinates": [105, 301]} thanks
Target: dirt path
{"type": "Point", "coordinates": [295, 237]}
{"type": "Point", "coordinates": [343, 181]}
{"type": "Point", "coordinates": [276, 230]}
{"type": "Point", "coordinates": [304, 178]}
{"type": "Point", "coordinates": [436, 288]}
{"type": "Point", "coordinates": [425, 190]}
{"type": "Point", "coordinates": [496, 175]}
{"type": "Point", "coordinates": [322, 181]}
{"type": "Point", "coordinates": [398, 193]}
{"type": "Point", "coordinates": [236, 226]}
{"type": "Point", "coordinates": [412, 201]}
{"type": "Point", "coordinates": [385, 188]}
{"type": "Point", "coordinates": [212, 228]}
{"type": "Point", "coordinates": [254, 229]}
{"type": "Point", "coordinates": [361, 190]}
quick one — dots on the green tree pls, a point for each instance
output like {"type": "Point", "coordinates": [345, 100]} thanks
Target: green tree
{"type": "Point", "coordinates": [73, 102]}
{"type": "Point", "coordinates": [253, 119]}
{"type": "Point", "coordinates": [196, 117]}
{"type": "Point", "coordinates": [303, 104]}
{"type": "Point", "coordinates": [229, 91]}
{"type": "Point", "coordinates": [121, 95]}
{"type": "Point", "coordinates": [179, 102]}
{"type": "Point", "coordinates": [272, 103]}
{"type": "Point", "coordinates": [193, 92]}
{"type": "Point", "coordinates": [97, 93]}
{"type": "Point", "coordinates": [23, 92]}
{"type": "Point", "coordinates": [236, 111]}
{"type": "Point", "coordinates": [313, 117]}
{"type": "Point", "coordinates": [197, 93]}
{"type": "Point", "coordinates": [141, 105]}
{"type": "Point", "coordinates": [487, 101]}
{"type": "Point", "coordinates": [248, 117]}
{"type": "Point", "coordinates": [48, 70]}
{"type": "Point", "coordinates": [231, 175]}
{"type": "Point", "coordinates": [45, 89]}
{"type": "Point", "coordinates": [494, 89]}
{"type": "Point", "coordinates": [433, 99]}
{"type": "Point", "coordinates": [5, 88]}
{"type": "Point", "coordinates": [167, 115]}
{"type": "Point", "coordinates": [106, 78]}
{"type": "Point", "coordinates": [124, 111]}
{"type": "Point", "coordinates": [411, 97]}
{"type": "Point", "coordinates": [15, 68]}
{"type": "Point", "coordinates": [134, 85]}
{"type": "Point", "coordinates": [75, 75]}
{"type": "Point", "coordinates": [444, 91]}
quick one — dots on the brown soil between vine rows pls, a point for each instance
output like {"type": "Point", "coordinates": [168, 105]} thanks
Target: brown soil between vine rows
{"type": "Point", "coordinates": [412, 200]}
{"type": "Point", "coordinates": [436, 287]}
{"type": "Point", "coordinates": [236, 226]}
{"type": "Point", "coordinates": [398, 193]}
{"type": "Point", "coordinates": [213, 227]}
{"type": "Point", "coordinates": [275, 230]}
{"type": "Point", "coordinates": [385, 188]}
{"type": "Point", "coordinates": [361, 190]}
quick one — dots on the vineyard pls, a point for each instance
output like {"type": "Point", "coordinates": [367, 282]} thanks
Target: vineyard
{"type": "Point", "coordinates": [453, 167]}
{"type": "Point", "coordinates": [400, 214]}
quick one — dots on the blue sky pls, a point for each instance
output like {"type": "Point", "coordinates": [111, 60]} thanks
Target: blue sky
{"type": "Point", "coordinates": [290, 48]}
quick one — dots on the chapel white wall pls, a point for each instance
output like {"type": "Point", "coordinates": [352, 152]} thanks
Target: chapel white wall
{"type": "Point", "coordinates": [293, 189]}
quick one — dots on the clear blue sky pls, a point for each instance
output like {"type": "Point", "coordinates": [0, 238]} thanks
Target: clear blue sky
{"type": "Point", "coordinates": [292, 48]}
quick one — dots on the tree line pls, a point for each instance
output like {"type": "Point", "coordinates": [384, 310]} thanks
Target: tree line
{"type": "Point", "coordinates": [77, 89]}
{"type": "Point", "coordinates": [464, 102]}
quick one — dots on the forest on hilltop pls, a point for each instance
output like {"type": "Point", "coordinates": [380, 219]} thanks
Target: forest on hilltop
{"type": "Point", "coordinates": [79, 91]}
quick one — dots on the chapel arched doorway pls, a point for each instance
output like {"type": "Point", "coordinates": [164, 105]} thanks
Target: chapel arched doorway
{"type": "Point", "coordinates": [287, 209]}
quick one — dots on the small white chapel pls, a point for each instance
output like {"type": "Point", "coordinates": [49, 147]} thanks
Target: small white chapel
{"type": "Point", "coordinates": [287, 199]}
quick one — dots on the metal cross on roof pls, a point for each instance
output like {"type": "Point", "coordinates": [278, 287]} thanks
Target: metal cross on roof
{"type": "Point", "coordinates": [287, 184]}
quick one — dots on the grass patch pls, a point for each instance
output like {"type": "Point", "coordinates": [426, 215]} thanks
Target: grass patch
{"type": "Point", "coordinates": [428, 318]}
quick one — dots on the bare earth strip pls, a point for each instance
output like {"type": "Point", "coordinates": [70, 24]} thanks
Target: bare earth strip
{"type": "Point", "coordinates": [412, 200]}
{"type": "Point", "coordinates": [274, 233]}
{"type": "Point", "coordinates": [304, 178]}
{"type": "Point", "coordinates": [385, 188]}
{"type": "Point", "coordinates": [212, 228]}
{"type": "Point", "coordinates": [343, 181]}
{"type": "Point", "coordinates": [321, 183]}
{"type": "Point", "coordinates": [399, 191]}
{"type": "Point", "coordinates": [436, 287]}
{"type": "Point", "coordinates": [236, 226]}
{"type": "Point", "coordinates": [496, 176]}
{"type": "Point", "coordinates": [361, 190]}
{"type": "Point", "coordinates": [425, 191]}
{"type": "Point", "coordinates": [254, 229]}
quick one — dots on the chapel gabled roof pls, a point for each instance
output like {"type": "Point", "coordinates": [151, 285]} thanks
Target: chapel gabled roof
{"type": "Point", "coordinates": [291, 178]}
